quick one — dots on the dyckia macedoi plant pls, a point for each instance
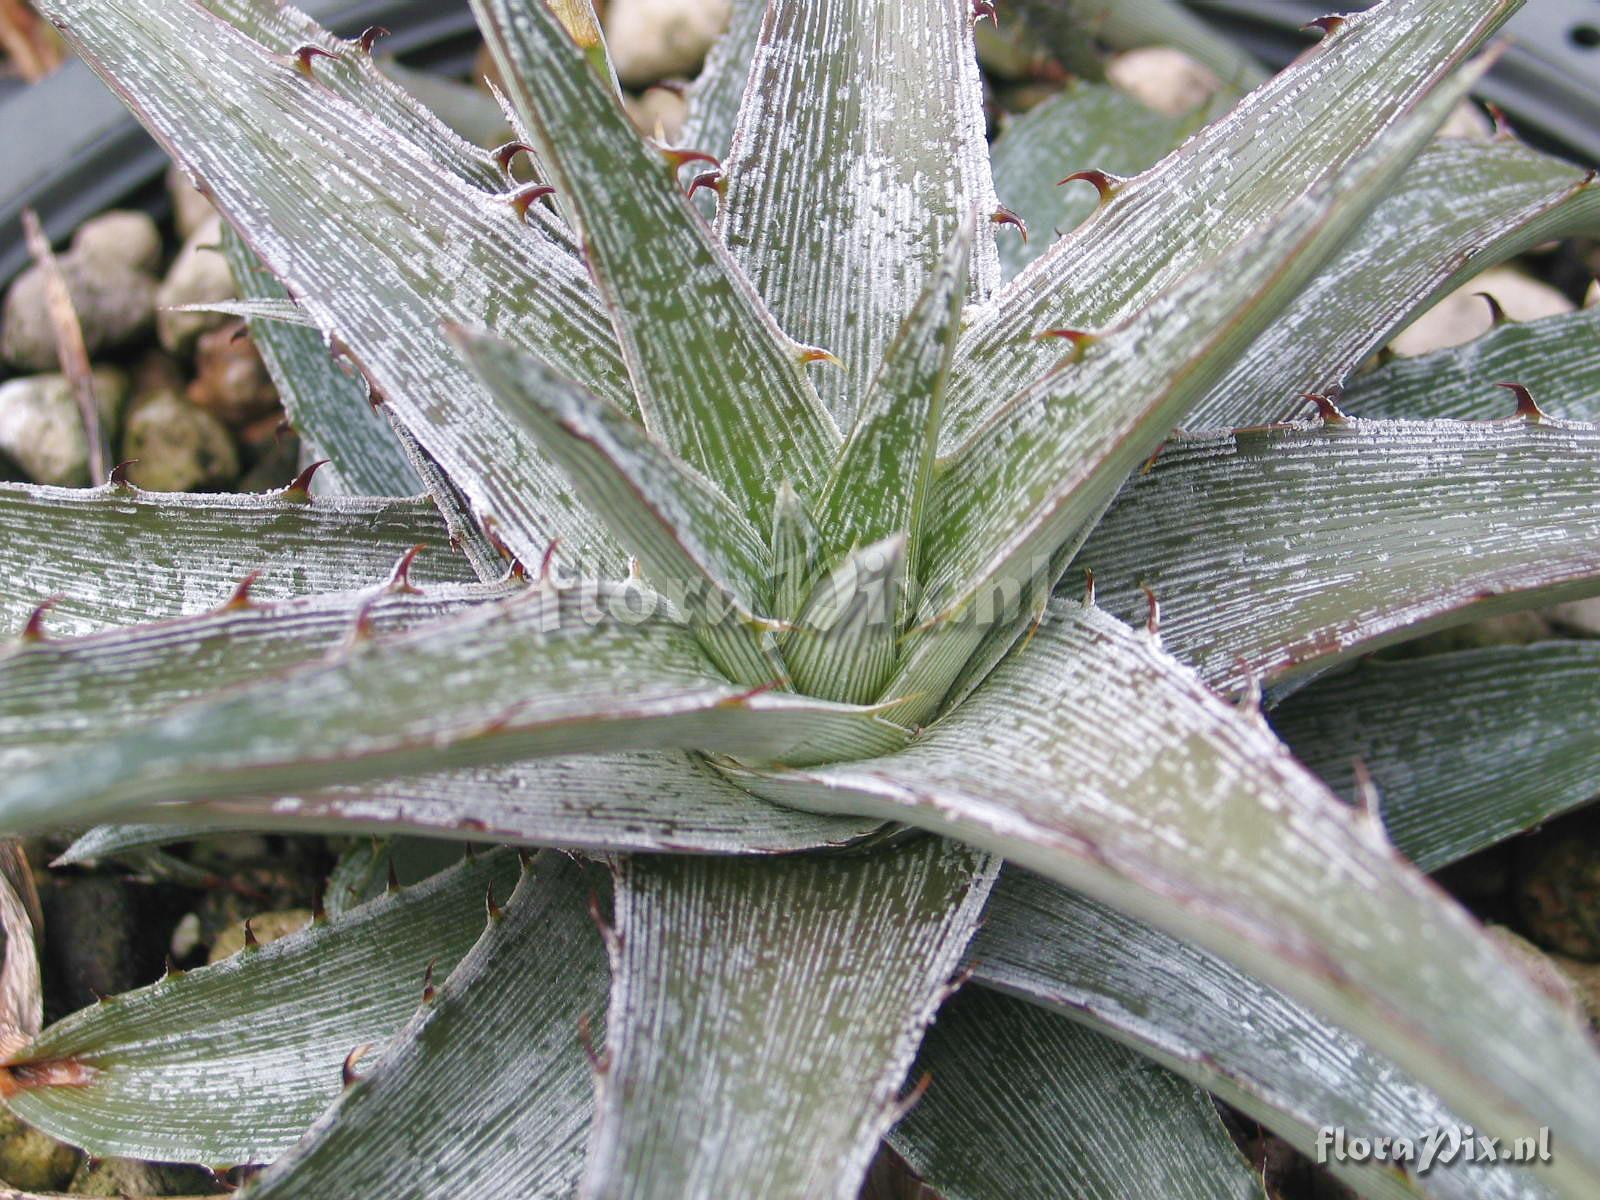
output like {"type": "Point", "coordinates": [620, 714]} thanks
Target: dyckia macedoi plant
{"type": "Point", "coordinates": [759, 564]}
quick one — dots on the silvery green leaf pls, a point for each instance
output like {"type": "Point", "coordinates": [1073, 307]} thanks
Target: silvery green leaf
{"type": "Point", "coordinates": [116, 555]}
{"type": "Point", "coordinates": [1464, 206]}
{"type": "Point", "coordinates": [327, 406]}
{"type": "Point", "coordinates": [1084, 126]}
{"type": "Point", "coordinates": [1305, 125]}
{"type": "Point", "coordinates": [299, 175]}
{"type": "Point", "coordinates": [879, 483]}
{"type": "Point", "coordinates": [1250, 1045]}
{"type": "Point", "coordinates": [1037, 475]}
{"type": "Point", "coordinates": [843, 643]}
{"type": "Point", "coordinates": [486, 1092]}
{"type": "Point", "coordinates": [692, 544]}
{"type": "Point", "coordinates": [657, 803]}
{"type": "Point", "coordinates": [229, 1063]}
{"type": "Point", "coordinates": [356, 78]}
{"type": "Point", "coordinates": [763, 1015]}
{"type": "Point", "coordinates": [548, 673]}
{"type": "Point", "coordinates": [1557, 359]}
{"type": "Point", "coordinates": [712, 103]}
{"type": "Point", "coordinates": [1277, 552]}
{"type": "Point", "coordinates": [859, 151]}
{"type": "Point", "coordinates": [718, 382]}
{"type": "Point", "coordinates": [1465, 749]}
{"type": "Point", "coordinates": [1100, 761]}
{"type": "Point", "coordinates": [1026, 1103]}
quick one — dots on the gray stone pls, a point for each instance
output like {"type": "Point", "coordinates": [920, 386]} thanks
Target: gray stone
{"type": "Point", "coordinates": [115, 305]}
{"type": "Point", "coordinates": [41, 430]}
{"type": "Point", "coordinates": [199, 275]}
{"type": "Point", "coordinates": [125, 239]}
{"type": "Point", "coordinates": [653, 39]}
{"type": "Point", "coordinates": [178, 447]}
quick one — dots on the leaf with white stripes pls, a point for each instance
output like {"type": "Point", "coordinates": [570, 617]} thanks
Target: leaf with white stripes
{"type": "Point", "coordinates": [859, 151]}
{"type": "Point", "coordinates": [1026, 1103]}
{"type": "Point", "coordinates": [1099, 760]}
{"type": "Point", "coordinates": [115, 555]}
{"type": "Point", "coordinates": [763, 1015]}
{"type": "Point", "coordinates": [1304, 125]}
{"type": "Point", "coordinates": [1277, 552]}
{"type": "Point", "coordinates": [229, 1063]}
{"type": "Point", "coordinates": [718, 382]}
{"type": "Point", "coordinates": [494, 1060]}
{"type": "Point", "coordinates": [1465, 749]}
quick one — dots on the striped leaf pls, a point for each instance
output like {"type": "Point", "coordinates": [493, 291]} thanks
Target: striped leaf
{"type": "Point", "coordinates": [1465, 749]}
{"type": "Point", "coordinates": [718, 382]}
{"type": "Point", "coordinates": [762, 1017]}
{"type": "Point", "coordinates": [1557, 359]}
{"type": "Point", "coordinates": [297, 175]}
{"type": "Point", "coordinates": [115, 555]}
{"type": "Point", "coordinates": [860, 150]}
{"type": "Point", "coordinates": [1250, 1045]}
{"type": "Point", "coordinates": [548, 673]}
{"type": "Point", "coordinates": [879, 484]}
{"type": "Point", "coordinates": [328, 408]}
{"type": "Point", "coordinates": [1103, 763]}
{"type": "Point", "coordinates": [843, 643]}
{"type": "Point", "coordinates": [1278, 552]}
{"type": "Point", "coordinates": [229, 1063]}
{"type": "Point", "coordinates": [1026, 1103]}
{"type": "Point", "coordinates": [494, 1061]}
{"type": "Point", "coordinates": [1463, 207]}
{"type": "Point", "coordinates": [1304, 125]}
{"type": "Point", "coordinates": [1084, 126]}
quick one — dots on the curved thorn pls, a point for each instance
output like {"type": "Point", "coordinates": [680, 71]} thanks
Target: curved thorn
{"type": "Point", "coordinates": [1088, 587]}
{"type": "Point", "coordinates": [899, 1108]}
{"type": "Point", "coordinates": [370, 35]}
{"type": "Point", "coordinates": [1497, 314]}
{"type": "Point", "coordinates": [985, 8]}
{"type": "Point", "coordinates": [400, 578]}
{"type": "Point", "coordinates": [494, 910]}
{"type": "Point", "coordinates": [1502, 126]}
{"type": "Point", "coordinates": [608, 932]}
{"type": "Point", "coordinates": [319, 910]}
{"type": "Point", "coordinates": [304, 54]}
{"type": "Point", "coordinates": [816, 354]}
{"type": "Point", "coordinates": [33, 628]}
{"type": "Point", "coordinates": [503, 154]}
{"type": "Point", "coordinates": [428, 991]}
{"type": "Point", "coordinates": [1369, 804]}
{"type": "Point", "coordinates": [1081, 341]}
{"type": "Point", "coordinates": [241, 594]}
{"type": "Point", "coordinates": [677, 158]}
{"type": "Point", "coordinates": [714, 181]}
{"type": "Point", "coordinates": [1152, 619]}
{"type": "Point", "coordinates": [299, 492]}
{"type": "Point", "coordinates": [250, 940]}
{"type": "Point", "coordinates": [1249, 700]}
{"type": "Point", "coordinates": [1327, 26]}
{"type": "Point", "coordinates": [1150, 463]}
{"type": "Point", "coordinates": [347, 1072]}
{"type": "Point", "coordinates": [523, 198]}
{"type": "Point", "coordinates": [1326, 408]}
{"type": "Point", "coordinates": [119, 474]}
{"type": "Point", "coordinates": [1104, 182]}
{"type": "Point", "coordinates": [392, 884]}
{"type": "Point", "coordinates": [1004, 216]}
{"type": "Point", "coordinates": [1527, 407]}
